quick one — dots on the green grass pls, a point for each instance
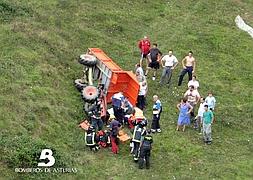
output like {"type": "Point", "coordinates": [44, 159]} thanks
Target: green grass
{"type": "Point", "coordinates": [39, 106]}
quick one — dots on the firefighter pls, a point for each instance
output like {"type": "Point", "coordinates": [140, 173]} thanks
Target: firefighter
{"type": "Point", "coordinates": [145, 151]}
{"type": "Point", "coordinates": [95, 117]}
{"type": "Point", "coordinates": [138, 133]}
{"type": "Point", "coordinates": [90, 139]}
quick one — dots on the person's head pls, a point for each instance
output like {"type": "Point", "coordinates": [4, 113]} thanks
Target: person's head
{"type": "Point", "coordinates": [145, 37]}
{"type": "Point", "coordinates": [184, 100]}
{"type": "Point", "coordinates": [137, 65]}
{"type": "Point", "coordinates": [154, 45]}
{"type": "Point", "coordinates": [210, 94]}
{"type": "Point", "coordinates": [155, 98]}
{"type": "Point", "coordinates": [190, 53]}
{"type": "Point", "coordinates": [206, 107]}
{"type": "Point", "coordinates": [194, 77]}
{"type": "Point", "coordinates": [202, 99]}
{"type": "Point", "coordinates": [170, 52]}
{"type": "Point", "coordinates": [191, 88]}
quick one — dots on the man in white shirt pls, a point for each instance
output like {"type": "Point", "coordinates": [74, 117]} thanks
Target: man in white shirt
{"type": "Point", "coordinates": [169, 62]}
{"type": "Point", "coordinates": [210, 100]}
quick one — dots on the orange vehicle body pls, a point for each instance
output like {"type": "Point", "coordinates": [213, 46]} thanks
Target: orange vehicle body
{"type": "Point", "coordinates": [116, 80]}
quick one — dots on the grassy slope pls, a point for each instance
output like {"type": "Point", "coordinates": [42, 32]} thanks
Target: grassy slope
{"type": "Point", "coordinates": [40, 41]}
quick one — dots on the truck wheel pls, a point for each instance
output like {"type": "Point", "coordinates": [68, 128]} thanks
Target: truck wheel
{"type": "Point", "coordinates": [88, 60]}
{"type": "Point", "coordinates": [79, 84]}
{"type": "Point", "coordinates": [90, 94]}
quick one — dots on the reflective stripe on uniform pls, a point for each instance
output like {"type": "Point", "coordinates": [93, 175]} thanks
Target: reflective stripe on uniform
{"type": "Point", "coordinates": [91, 138]}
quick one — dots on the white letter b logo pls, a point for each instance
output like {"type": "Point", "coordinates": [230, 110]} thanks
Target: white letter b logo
{"type": "Point", "coordinates": [47, 154]}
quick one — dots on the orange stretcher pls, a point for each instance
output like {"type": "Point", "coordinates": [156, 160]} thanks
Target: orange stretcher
{"type": "Point", "coordinates": [84, 124]}
{"type": "Point", "coordinates": [123, 136]}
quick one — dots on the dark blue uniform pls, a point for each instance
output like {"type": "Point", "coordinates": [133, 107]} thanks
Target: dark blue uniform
{"type": "Point", "coordinates": [145, 151]}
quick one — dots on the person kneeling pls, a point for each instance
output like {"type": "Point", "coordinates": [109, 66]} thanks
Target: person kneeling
{"type": "Point", "coordinates": [90, 139]}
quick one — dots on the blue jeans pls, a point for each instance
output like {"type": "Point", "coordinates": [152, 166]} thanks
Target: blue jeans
{"type": "Point", "coordinates": [167, 72]}
{"type": "Point", "coordinates": [97, 123]}
{"type": "Point", "coordinates": [188, 70]}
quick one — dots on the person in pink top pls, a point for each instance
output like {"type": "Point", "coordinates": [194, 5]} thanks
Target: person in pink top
{"type": "Point", "coordinates": [193, 98]}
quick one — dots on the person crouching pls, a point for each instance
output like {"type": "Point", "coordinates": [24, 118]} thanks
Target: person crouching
{"type": "Point", "coordinates": [90, 139]}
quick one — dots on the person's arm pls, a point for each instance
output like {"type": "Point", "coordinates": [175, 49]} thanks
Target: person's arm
{"type": "Point", "coordinates": [183, 62]}
{"type": "Point", "coordinates": [159, 56]}
{"type": "Point", "coordinates": [186, 94]}
{"type": "Point", "coordinates": [190, 109]}
{"type": "Point", "coordinates": [175, 63]}
{"type": "Point", "coordinates": [173, 67]}
{"type": "Point", "coordinates": [197, 84]}
{"type": "Point", "coordinates": [178, 106]}
{"type": "Point", "coordinates": [146, 91]}
{"type": "Point", "coordinates": [149, 44]}
{"type": "Point", "coordinates": [139, 44]}
{"type": "Point", "coordinates": [197, 97]}
{"type": "Point", "coordinates": [159, 108]}
{"type": "Point", "coordinates": [189, 83]}
{"type": "Point", "coordinates": [162, 62]}
{"type": "Point", "coordinates": [212, 117]}
{"type": "Point", "coordinates": [149, 58]}
{"type": "Point", "coordinates": [214, 101]}
{"type": "Point", "coordinates": [194, 65]}
{"type": "Point", "coordinates": [160, 52]}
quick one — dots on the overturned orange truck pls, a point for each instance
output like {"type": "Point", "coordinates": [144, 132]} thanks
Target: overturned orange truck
{"type": "Point", "coordinates": [114, 78]}
{"type": "Point", "coordinates": [99, 69]}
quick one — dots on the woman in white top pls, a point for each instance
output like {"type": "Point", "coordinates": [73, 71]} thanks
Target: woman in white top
{"type": "Point", "coordinates": [194, 82]}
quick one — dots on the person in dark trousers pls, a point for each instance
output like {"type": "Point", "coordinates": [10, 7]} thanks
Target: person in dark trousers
{"type": "Point", "coordinates": [141, 99]}
{"type": "Point", "coordinates": [157, 110]}
{"type": "Point", "coordinates": [139, 132]}
{"type": "Point", "coordinates": [114, 127]}
{"type": "Point", "coordinates": [95, 117]}
{"type": "Point", "coordinates": [90, 139]}
{"type": "Point", "coordinates": [154, 60]}
{"type": "Point", "coordinates": [145, 151]}
{"type": "Point", "coordinates": [189, 65]}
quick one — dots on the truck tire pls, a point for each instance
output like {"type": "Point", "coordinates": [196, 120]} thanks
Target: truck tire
{"type": "Point", "coordinates": [79, 84]}
{"type": "Point", "coordinates": [90, 94]}
{"type": "Point", "coordinates": [88, 60]}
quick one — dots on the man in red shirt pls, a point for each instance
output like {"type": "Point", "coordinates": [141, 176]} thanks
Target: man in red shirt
{"type": "Point", "coordinates": [144, 46]}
